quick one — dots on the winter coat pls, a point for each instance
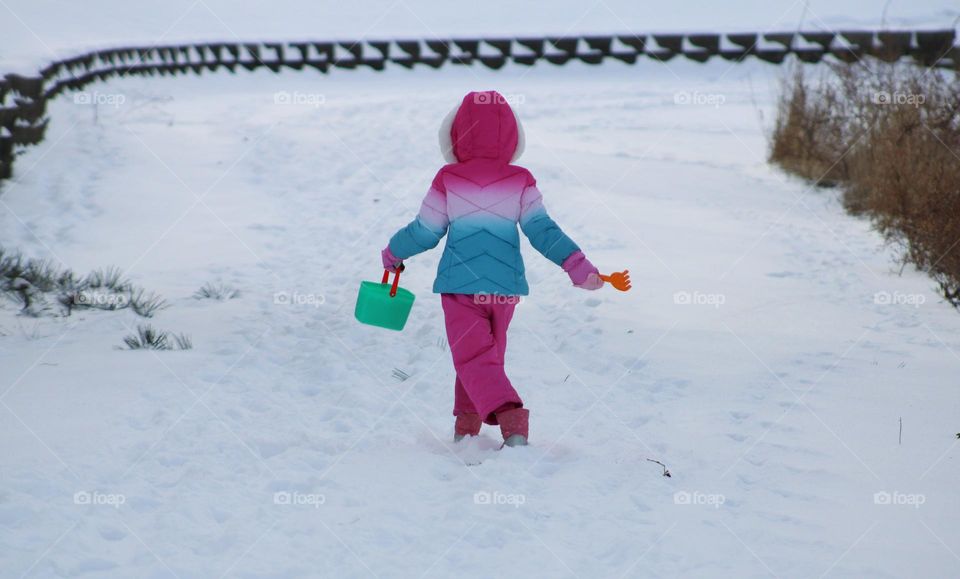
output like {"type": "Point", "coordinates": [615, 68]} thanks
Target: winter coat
{"type": "Point", "coordinates": [478, 200]}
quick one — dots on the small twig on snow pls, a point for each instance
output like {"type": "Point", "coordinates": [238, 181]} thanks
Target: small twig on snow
{"type": "Point", "coordinates": [666, 472]}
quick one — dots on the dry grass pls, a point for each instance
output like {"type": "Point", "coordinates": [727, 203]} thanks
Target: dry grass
{"type": "Point", "coordinates": [889, 134]}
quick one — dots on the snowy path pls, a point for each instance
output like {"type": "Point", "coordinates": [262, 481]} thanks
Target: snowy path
{"type": "Point", "coordinates": [777, 409]}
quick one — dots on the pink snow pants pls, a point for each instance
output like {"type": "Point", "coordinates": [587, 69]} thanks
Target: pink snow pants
{"type": "Point", "coordinates": [477, 334]}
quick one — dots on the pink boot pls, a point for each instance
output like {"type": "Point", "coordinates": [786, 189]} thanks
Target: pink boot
{"type": "Point", "coordinates": [466, 425]}
{"type": "Point", "coordinates": [514, 426]}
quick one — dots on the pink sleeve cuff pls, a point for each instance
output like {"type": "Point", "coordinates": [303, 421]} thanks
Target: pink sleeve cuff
{"type": "Point", "coordinates": [578, 267]}
{"type": "Point", "coordinates": [572, 259]}
{"type": "Point", "coordinates": [390, 261]}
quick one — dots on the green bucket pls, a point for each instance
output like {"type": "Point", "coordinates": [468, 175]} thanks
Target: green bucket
{"type": "Point", "coordinates": [382, 304]}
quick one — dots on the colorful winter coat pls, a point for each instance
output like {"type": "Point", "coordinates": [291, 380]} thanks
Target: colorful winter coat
{"type": "Point", "coordinates": [478, 200]}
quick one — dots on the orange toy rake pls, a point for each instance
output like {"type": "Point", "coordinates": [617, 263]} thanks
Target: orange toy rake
{"type": "Point", "coordinates": [619, 280]}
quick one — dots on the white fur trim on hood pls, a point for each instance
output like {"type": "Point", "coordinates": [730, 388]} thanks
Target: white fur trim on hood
{"type": "Point", "coordinates": [446, 141]}
{"type": "Point", "coordinates": [521, 138]}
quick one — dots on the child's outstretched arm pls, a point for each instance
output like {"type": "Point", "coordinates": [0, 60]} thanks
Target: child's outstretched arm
{"type": "Point", "coordinates": [421, 234]}
{"type": "Point", "coordinates": [547, 238]}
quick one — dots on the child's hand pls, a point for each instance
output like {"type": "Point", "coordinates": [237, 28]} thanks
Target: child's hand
{"type": "Point", "coordinates": [390, 261]}
{"type": "Point", "coordinates": [593, 282]}
{"type": "Point", "coordinates": [582, 273]}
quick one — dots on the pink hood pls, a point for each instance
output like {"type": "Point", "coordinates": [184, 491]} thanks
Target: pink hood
{"type": "Point", "coordinates": [483, 126]}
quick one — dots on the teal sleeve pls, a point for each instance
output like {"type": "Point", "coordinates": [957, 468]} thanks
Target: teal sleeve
{"type": "Point", "coordinates": [543, 232]}
{"type": "Point", "coordinates": [426, 230]}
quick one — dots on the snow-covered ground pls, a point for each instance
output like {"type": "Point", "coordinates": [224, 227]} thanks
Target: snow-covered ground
{"type": "Point", "coordinates": [767, 353]}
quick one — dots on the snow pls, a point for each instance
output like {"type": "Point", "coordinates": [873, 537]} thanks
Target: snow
{"type": "Point", "coordinates": [756, 356]}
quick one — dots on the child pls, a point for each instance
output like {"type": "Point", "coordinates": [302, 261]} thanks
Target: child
{"type": "Point", "coordinates": [480, 197]}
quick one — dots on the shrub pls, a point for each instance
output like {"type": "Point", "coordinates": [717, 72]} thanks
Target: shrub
{"type": "Point", "coordinates": [109, 278]}
{"type": "Point", "coordinates": [148, 338]}
{"type": "Point", "coordinates": [808, 135]}
{"type": "Point", "coordinates": [888, 133]}
{"type": "Point", "coordinates": [38, 285]}
{"type": "Point", "coordinates": [212, 291]}
{"type": "Point", "coordinates": [146, 304]}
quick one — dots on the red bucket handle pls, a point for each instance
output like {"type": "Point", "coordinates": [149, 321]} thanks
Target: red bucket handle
{"type": "Point", "coordinates": [396, 279]}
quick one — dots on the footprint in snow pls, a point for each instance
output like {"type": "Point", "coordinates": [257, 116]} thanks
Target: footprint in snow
{"type": "Point", "coordinates": [171, 461]}
{"type": "Point", "coordinates": [92, 565]}
{"type": "Point", "coordinates": [738, 416]}
{"type": "Point", "coordinates": [471, 451]}
{"type": "Point", "coordinates": [271, 448]}
{"type": "Point", "coordinates": [220, 516]}
{"type": "Point", "coordinates": [112, 533]}
{"type": "Point", "coordinates": [475, 449]}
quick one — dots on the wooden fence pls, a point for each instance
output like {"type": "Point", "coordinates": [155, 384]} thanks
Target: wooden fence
{"type": "Point", "coordinates": [23, 99]}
